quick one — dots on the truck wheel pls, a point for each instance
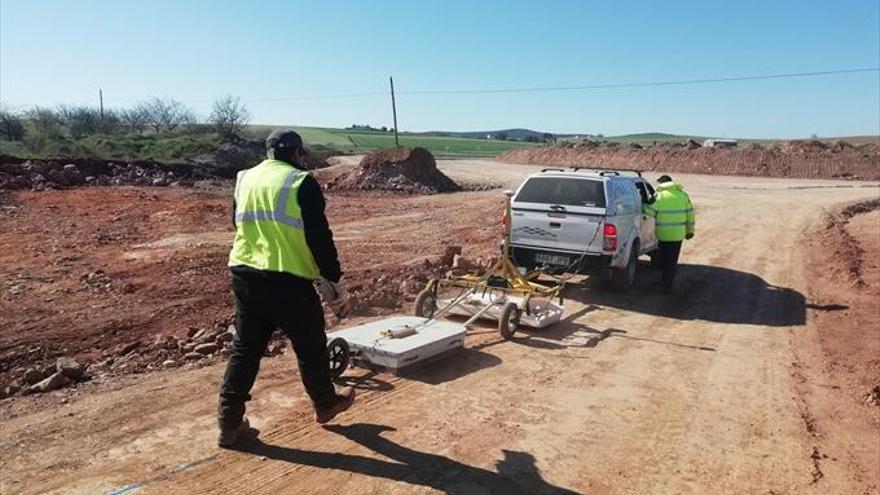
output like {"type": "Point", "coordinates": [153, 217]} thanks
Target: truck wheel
{"type": "Point", "coordinates": [509, 320]}
{"type": "Point", "coordinates": [623, 279]}
{"type": "Point", "coordinates": [426, 304]}
{"type": "Point", "coordinates": [339, 354]}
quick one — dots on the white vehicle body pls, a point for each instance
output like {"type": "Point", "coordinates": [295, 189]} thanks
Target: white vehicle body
{"type": "Point", "coordinates": [580, 221]}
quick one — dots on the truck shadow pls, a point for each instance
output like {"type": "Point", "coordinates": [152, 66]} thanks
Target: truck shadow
{"type": "Point", "coordinates": [517, 473]}
{"type": "Point", "coordinates": [708, 293]}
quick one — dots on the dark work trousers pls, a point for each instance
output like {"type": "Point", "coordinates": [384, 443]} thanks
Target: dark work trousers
{"type": "Point", "coordinates": [265, 301]}
{"type": "Point", "coordinates": [669, 252]}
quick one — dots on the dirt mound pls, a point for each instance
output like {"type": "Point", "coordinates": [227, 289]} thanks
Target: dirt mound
{"type": "Point", "coordinates": [803, 159]}
{"type": "Point", "coordinates": [229, 158]}
{"type": "Point", "coordinates": [37, 175]}
{"type": "Point", "coordinates": [849, 254]}
{"type": "Point", "coordinates": [407, 170]}
{"type": "Point", "coordinates": [65, 173]}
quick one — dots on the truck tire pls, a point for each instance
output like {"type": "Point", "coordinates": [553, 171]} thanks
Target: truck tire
{"type": "Point", "coordinates": [623, 279]}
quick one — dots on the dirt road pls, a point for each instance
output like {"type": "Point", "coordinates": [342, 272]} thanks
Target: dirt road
{"type": "Point", "coordinates": [720, 388]}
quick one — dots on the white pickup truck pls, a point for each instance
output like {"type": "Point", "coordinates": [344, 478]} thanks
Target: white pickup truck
{"type": "Point", "coordinates": [582, 221]}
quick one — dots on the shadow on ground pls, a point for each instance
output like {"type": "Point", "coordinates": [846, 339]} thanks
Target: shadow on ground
{"type": "Point", "coordinates": [708, 293]}
{"type": "Point", "coordinates": [570, 333]}
{"type": "Point", "coordinates": [517, 473]}
{"type": "Point", "coordinates": [456, 365]}
{"type": "Point", "coordinates": [365, 380]}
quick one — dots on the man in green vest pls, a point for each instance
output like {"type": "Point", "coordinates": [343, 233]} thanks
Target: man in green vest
{"type": "Point", "coordinates": [675, 222]}
{"type": "Point", "coordinates": [282, 246]}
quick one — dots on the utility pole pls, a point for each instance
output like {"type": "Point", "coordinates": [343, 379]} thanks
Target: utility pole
{"type": "Point", "coordinates": [394, 110]}
{"type": "Point", "coordinates": [101, 102]}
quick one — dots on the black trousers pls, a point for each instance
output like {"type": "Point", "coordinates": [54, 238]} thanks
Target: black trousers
{"type": "Point", "coordinates": [668, 252]}
{"type": "Point", "coordinates": [265, 301]}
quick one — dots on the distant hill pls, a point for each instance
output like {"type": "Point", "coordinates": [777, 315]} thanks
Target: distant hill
{"type": "Point", "coordinates": [520, 134]}
{"type": "Point", "coordinates": [513, 134]}
{"type": "Point", "coordinates": [650, 137]}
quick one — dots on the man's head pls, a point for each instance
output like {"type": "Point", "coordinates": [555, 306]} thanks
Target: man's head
{"type": "Point", "coordinates": [664, 178]}
{"type": "Point", "coordinates": [286, 146]}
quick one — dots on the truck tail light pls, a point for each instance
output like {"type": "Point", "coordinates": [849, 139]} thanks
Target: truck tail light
{"type": "Point", "coordinates": [610, 238]}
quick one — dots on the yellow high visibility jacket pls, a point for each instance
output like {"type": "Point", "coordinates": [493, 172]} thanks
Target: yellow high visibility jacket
{"type": "Point", "coordinates": [673, 211]}
{"type": "Point", "coordinates": [269, 231]}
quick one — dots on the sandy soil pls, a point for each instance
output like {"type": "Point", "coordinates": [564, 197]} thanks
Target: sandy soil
{"type": "Point", "coordinates": [723, 388]}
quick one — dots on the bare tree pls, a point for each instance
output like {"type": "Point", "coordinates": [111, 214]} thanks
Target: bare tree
{"type": "Point", "coordinates": [11, 127]}
{"type": "Point", "coordinates": [168, 114]}
{"type": "Point", "coordinates": [83, 120]}
{"type": "Point", "coordinates": [80, 121]}
{"type": "Point", "coordinates": [46, 121]}
{"type": "Point", "coordinates": [136, 118]}
{"type": "Point", "coordinates": [110, 123]}
{"type": "Point", "coordinates": [229, 116]}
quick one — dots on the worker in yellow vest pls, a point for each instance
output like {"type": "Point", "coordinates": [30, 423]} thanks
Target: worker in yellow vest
{"type": "Point", "coordinates": [675, 221]}
{"type": "Point", "coordinates": [282, 246]}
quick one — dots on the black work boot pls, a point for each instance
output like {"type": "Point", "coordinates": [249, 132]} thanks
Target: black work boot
{"type": "Point", "coordinates": [231, 420]}
{"type": "Point", "coordinates": [229, 437]}
{"type": "Point", "coordinates": [344, 400]}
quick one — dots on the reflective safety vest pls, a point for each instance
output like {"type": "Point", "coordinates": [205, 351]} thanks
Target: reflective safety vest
{"type": "Point", "coordinates": [673, 211]}
{"type": "Point", "coordinates": [269, 232]}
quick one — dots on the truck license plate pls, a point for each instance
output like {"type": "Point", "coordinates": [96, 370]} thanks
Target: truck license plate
{"type": "Point", "coordinates": [551, 259]}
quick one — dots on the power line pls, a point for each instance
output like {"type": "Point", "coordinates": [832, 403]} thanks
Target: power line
{"type": "Point", "coordinates": [324, 97]}
{"type": "Point", "coordinates": [639, 84]}
{"type": "Point", "coordinates": [537, 89]}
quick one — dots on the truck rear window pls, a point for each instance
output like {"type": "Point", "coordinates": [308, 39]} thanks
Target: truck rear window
{"type": "Point", "coordinates": [562, 191]}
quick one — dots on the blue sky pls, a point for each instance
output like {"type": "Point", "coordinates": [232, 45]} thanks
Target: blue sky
{"type": "Point", "coordinates": [55, 51]}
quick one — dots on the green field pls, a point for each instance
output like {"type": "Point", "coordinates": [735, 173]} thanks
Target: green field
{"type": "Point", "coordinates": [181, 147]}
{"type": "Point", "coordinates": [357, 142]}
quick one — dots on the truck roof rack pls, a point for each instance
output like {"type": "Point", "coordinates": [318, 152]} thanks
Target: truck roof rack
{"type": "Point", "coordinates": [608, 171]}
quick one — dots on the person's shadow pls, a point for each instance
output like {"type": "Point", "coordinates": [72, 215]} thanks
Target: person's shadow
{"type": "Point", "coordinates": [517, 472]}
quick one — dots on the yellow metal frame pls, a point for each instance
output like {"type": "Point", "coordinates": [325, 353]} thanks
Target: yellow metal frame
{"type": "Point", "coordinates": [504, 268]}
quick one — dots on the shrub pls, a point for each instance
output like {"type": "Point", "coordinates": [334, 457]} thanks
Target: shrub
{"type": "Point", "coordinates": [11, 127]}
{"type": "Point", "coordinates": [229, 117]}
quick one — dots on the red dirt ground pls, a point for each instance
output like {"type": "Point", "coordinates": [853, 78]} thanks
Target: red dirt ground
{"type": "Point", "coordinates": [88, 271]}
{"type": "Point", "coordinates": [751, 380]}
{"type": "Point", "coordinates": [846, 259]}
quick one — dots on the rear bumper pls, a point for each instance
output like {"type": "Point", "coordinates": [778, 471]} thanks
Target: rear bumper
{"type": "Point", "coordinates": [591, 262]}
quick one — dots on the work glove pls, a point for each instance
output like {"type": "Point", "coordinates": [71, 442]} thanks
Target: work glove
{"type": "Point", "coordinates": [689, 236]}
{"type": "Point", "coordinates": [335, 296]}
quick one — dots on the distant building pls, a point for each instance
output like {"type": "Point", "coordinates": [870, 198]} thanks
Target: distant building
{"type": "Point", "coordinates": [719, 143]}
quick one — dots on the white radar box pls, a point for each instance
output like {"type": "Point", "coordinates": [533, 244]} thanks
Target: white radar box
{"type": "Point", "coordinates": [420, 340]}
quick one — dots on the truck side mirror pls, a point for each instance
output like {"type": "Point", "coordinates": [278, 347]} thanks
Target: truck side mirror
{"type": "Point", "coordinates": [508, 193]}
